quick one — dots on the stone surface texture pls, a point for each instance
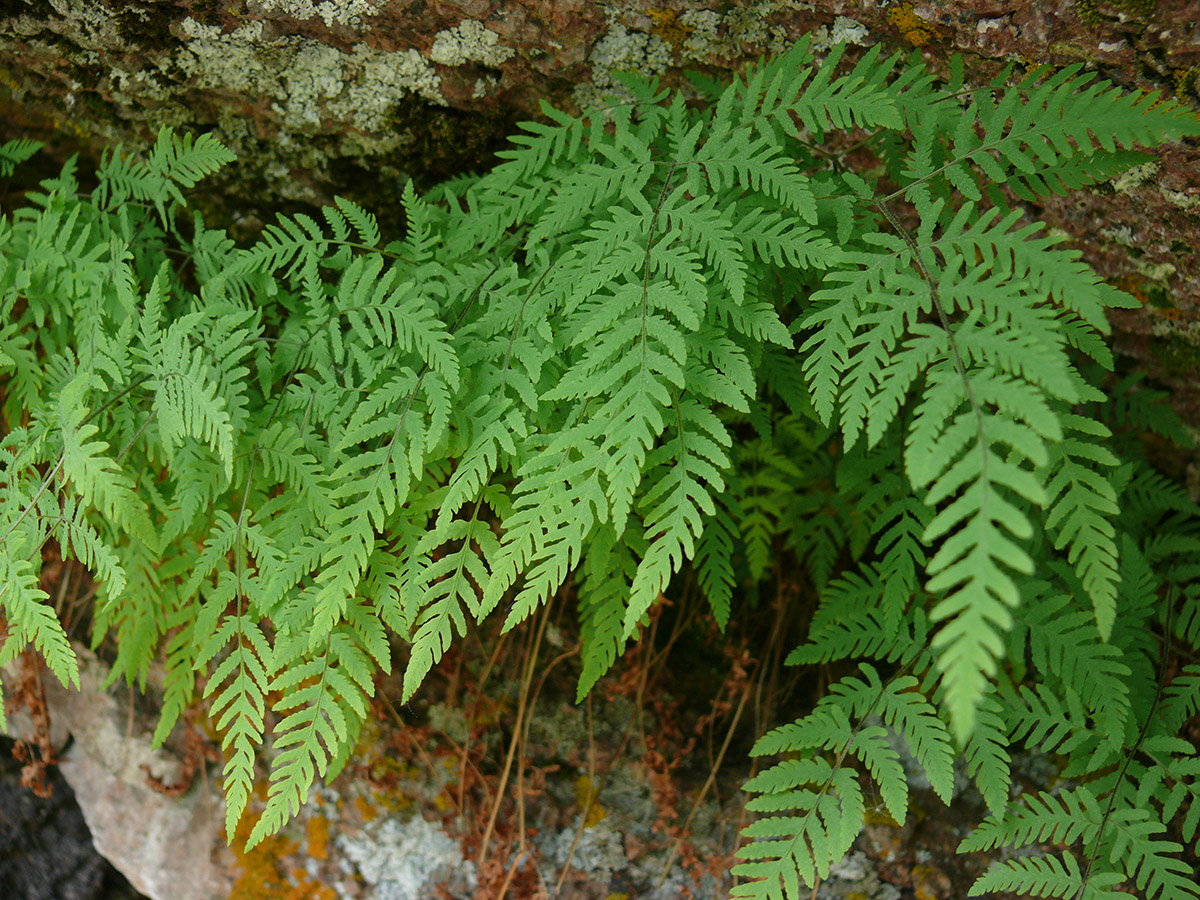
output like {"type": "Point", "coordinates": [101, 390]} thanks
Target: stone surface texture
{"type": "Point", "coordinates": [165, 846]}
{"type": "Point", "coordinates": [325, 96]}
{"type": "Point", "coordinates": [46, 851]}
{"type": "Point", "coordinates": [390, 826]}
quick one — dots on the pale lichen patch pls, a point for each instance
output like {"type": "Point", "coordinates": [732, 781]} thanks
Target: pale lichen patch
{"type": "Point", "coordinates": [310, 86]}
{"type": "Point", "coordinates": [351, 13]}
{"type": "Point", "coordinates": [703, 24]}
{"type": "Point", "coordinates": [1134, 177]}
{"type": "Point", "coordinates": [483, 86]}
{"type": "Point", "coordinates": [314, 76]}
{"type": "Point", "coordinates": [1121, 234]}
{"type": "Point", "coordinates": [1156, 271]}
{"type": "Point", "coordinates": [849, 30]}
{"type": "Point", "coordinates": [621, 50]}
{"type": "Point", "coordinates": [305, 78]}
{"type": "Point", "coordinates": [229, 61]}
{"type": "Point", "coordinates": [844, 29]}
{"type": "Point", "coordinates": [1180, 199]}
{"type": "Point", "coordinates": [380, 80]}
{"type": "Point", "coordinates": [469, 41]}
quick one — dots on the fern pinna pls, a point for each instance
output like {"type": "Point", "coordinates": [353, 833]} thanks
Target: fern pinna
{"type": "Point", "coordinates": [652, 338]}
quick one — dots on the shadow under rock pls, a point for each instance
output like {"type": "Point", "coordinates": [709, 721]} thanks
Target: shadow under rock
{"type": "Point", "coordinates": [46, 850]}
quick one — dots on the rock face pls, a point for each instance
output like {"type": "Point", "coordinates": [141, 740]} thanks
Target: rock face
{"type": "Point", "coordinates": [166, 846]}
{"type": "Point", "coordinates": [398, 823]}
{"type": "Point", "coordinates": [320, 97]}
{"type": "Point", "coordinates": [46, 851]}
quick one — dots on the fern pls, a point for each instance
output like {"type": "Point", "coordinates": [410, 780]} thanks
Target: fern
{"type": "Point", "coordinates": [662, 340]}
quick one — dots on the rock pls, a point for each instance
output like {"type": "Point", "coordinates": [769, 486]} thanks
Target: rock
{"type": "Point", "coordinates": [350, 97]}
{"type": "Point", "coordinates": [170, 848]}
{"type": "Point", "coordinates": [401, 860]}
{"type": "Point", "coordinates": [46, 852]}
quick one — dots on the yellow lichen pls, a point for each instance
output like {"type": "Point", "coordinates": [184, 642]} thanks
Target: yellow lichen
{"type": "Point", "coordinates": [366, 808]}
{"type": "Point", "coordinates": [317, 830]}
{"type": "Point", "coordinates": [1187, 82]}
{"type": "Point", "coordinates": [914, 29]}
{"type": "Point", "coordinates": [924, 882]}
{"type": "Point", "coordinates": [585, 793]}
{"type": "Point", "coordinates": [259, 877]}
{"type": "Point", "coordinates": [261, 874]}
{"type": "Point", "coordinates": [668, 27]}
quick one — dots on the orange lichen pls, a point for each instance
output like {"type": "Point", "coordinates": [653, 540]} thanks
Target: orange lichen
{"type": "Point", "coordinates": [307, 889]}
{"type": "Point", "coordinates": [668, 27]}
{"type": "Point", "coordinates": [262, 875]}
{"type": "Point", "coordinates": [317, 831]}
{"type": "Point", "coordinates": [914, 29]}
{"type": "Point", "coordinates": [928, 883]}
{"type": "Point", "coordinates": [366, 808]}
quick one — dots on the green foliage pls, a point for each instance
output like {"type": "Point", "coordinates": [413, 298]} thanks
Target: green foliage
{"type": "Point", "coordinates": [658, 337]}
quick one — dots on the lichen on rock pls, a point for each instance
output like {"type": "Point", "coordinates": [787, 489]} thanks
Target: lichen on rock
{"type": "Point", "coordinates": [352, 13]}
{"type": "Point", "coordinates": [469, 41]}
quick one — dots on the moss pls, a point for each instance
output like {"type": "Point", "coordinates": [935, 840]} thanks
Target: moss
{"type": "Point", "coordinates": [1154, 295]}
{"type": "Point", "coordinates": [146, 25]}
{"type": "Point", "coordinates": [38, 9]}
{"type": "Point", "coordinates": [213, 12]}
{"type": "Point", "coordinates": [447, 142]}
{"type": "Point", "coordinates": [1187, 82]}
{"type": "Point", "coordinates": [1179, 355]}
{"type": "Point", "coordinates": [1090, 13]}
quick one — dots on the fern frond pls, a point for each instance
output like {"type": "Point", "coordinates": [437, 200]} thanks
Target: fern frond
{"type": "Point", "coordinates": [904, 708]}
{"type": "Point", "coordinates": [859, 98]}
{"type": "Point", "coordinates": [31, 620]}
{"type": "Point", "coordinates": [608, 572]}
{"type": "Point", "coordinates": [324, 698]}
{"type": "Point", "coordinates": [987, 757]}
{"type": "Point", "coordinates": [446, 586]}
{"type": "Point", "coordinates": [1046, 876]}
{"type": "Point", "coordinates": [15, 152]}
{"type": "Point", "coordinates": [97, 478]}
{"type": "Point", "coordinates": [1062, 818]}
{"type": "Point", "coordinates": [674, 509]}
{"type": "Point", "coordinates": [240, 682]}
{"type": "Point", "coordinates": [787, 851]}
{"type": "Point", "coordinates": [1146, 859]}
{"type": "Point", "coordinates": [714, 560]}
{"type": "Point", "coordinates": [1080, 504]}
{"type": "Point", "coordinates": [1063, 644]}
{"type": "Point", "coordinates": [973, 563]}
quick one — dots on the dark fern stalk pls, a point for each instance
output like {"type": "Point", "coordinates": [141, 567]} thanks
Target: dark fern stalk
{"type": "Point", "coordinates": [625, 351]}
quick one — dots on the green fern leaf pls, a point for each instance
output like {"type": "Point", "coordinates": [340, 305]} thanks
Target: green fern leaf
{"type": "Point", "coordinates": [324, 700]}
{"type": "Point", "coordinates": [15, 152]}
{"type": "Point", "coordinates": [1046, 876]}
{"type": "Point", "coordinates": [445, 587]}
{"type": "Point", "coordinates": [32, 620]}
{"type": "Point", "coordinates": [608, 571]}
